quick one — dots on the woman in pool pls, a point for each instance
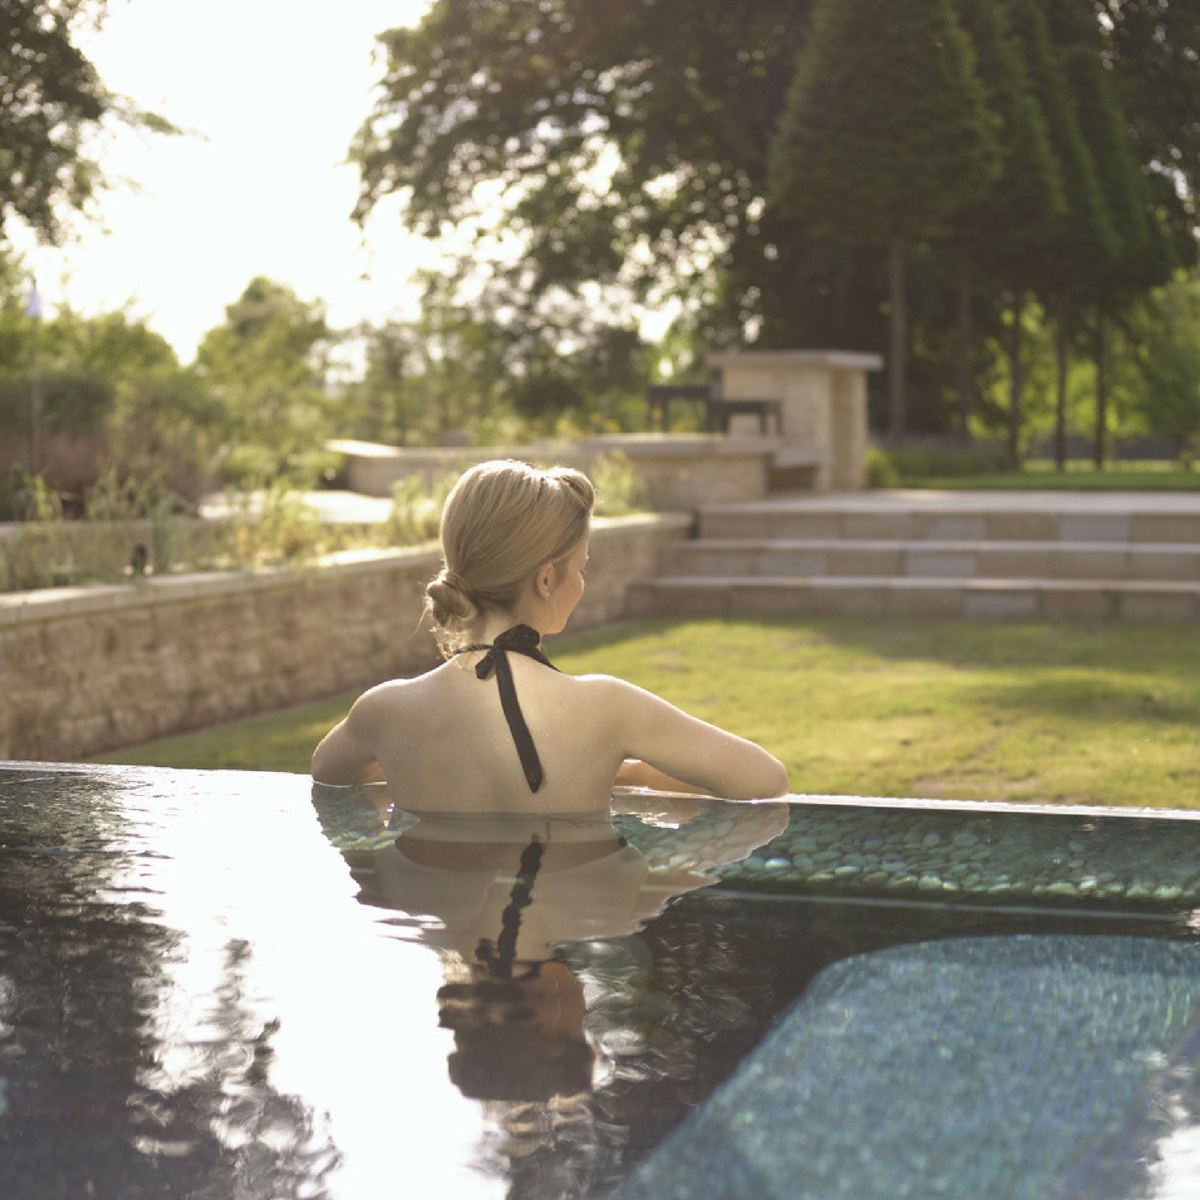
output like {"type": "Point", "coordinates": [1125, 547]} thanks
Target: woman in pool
{"type": "Point", "coordinates": [515, 547]}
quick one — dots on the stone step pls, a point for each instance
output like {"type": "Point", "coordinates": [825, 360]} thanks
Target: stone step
{"type": "Point", "coordinates": [836, 596]}
{"type": "Point", "coordinates": [921, 558]}
{"type": "Point", "coordinates": [1170, 518]}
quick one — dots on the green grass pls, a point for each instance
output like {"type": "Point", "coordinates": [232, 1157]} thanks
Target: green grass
{"type": "Point", "coordinates": [1099, 714]}
{"type": "Point", "coordinates": [279, 741]}
{"type": "Point", "coordinates": [1040, 475]}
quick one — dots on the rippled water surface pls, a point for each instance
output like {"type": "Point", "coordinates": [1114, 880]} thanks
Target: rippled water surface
{"type": "Point", "coordinates": [222, 984]}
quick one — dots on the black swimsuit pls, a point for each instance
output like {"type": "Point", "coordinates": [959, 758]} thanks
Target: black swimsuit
{"type": "Point", "coordinates": [520, 639]}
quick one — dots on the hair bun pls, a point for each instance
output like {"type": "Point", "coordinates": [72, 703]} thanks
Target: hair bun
{"type": "Point", "coordinates": [450, 597]}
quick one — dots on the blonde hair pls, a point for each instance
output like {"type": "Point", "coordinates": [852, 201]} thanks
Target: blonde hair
{"type": "Point", "coordinates": [502, 521]}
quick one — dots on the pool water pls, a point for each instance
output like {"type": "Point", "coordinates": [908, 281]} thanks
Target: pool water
{"type": "Point", "coordinates": [228, 984]}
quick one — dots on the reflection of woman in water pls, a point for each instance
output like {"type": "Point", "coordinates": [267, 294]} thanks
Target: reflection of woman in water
{"type": "Point", "coordinates": [515, 544]}
{"type": "Point", "coordinates": [501, 897]}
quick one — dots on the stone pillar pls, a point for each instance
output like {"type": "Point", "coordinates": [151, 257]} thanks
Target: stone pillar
{"type": "Point", "coordinates": [823, 407]}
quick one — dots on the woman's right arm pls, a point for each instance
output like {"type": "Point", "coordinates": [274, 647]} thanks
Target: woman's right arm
{"type": "Point", "coordinates": [345, 755]}
{"type": "Point", "coordinates": [686, 748]}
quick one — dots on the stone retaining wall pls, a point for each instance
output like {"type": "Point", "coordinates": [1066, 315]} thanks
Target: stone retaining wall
{"type": "Point", "coordinates": [671, 472]}
{"type": "Point", "coordinates": [83, 670]}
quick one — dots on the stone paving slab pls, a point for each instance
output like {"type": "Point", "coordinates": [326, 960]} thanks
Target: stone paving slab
{"type": "Point", "coordinates": [970, 501]}
{"type": "Point", "coordinates": [949, 516]}
{"type": "Point", "coordinates": [1033, 599]}
{"type": "Point", "coordinates": [739, 557]}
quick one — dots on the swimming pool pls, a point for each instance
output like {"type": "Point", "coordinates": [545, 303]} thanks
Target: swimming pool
{"type": "Point", "coordinates": [230, 984]}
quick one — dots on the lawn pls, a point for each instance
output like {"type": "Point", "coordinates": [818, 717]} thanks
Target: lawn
{"type": "Point", "coordinates": [1047, 713]}
{"type": "Point", "coordinates": [1042, 475]}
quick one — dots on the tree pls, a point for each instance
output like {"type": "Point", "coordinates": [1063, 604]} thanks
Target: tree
{"type": "Point", "coordinates": [81, 363]}
{"type": "Point", "coordinates": [1137, 259]}
{"type": "Point", "coordinates": [1048, 258]}
{"type": "Point", "coordinates": [164, 434]}
{"type": "Point", "coordinates": [113, 346]}
{"type": "Point", "coordinates": [1007, 225]}
{"type": "Point", "coordinates": [1165, 327]}
{"type": "Point", "coordinates": [1153, 47]}
{"type": "Point", "coordinates": [51, 97]}
{"type": "Point", "coordinates": [375, 407]}
{"type": "Point", "coordinates": [113, 398]}
{"type": "Point", "coordinates": [622, 144]}
{"type": "Point", "coordinates": [266, 366]}
{"type": "Point", "coordinates": [574, 150]}
{"type": "Point", "coordinates": [885, 137]}
{"type": "Point", "coordinates": [455, 368]}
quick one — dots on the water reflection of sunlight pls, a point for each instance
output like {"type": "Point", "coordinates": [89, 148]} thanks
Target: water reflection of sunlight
{"type": "Point", "coordinates": [1175, 1174]}
{"type": "Point", "coordinates": [275, 953]}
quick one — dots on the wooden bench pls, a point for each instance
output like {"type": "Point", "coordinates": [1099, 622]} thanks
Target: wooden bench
{"type": "Point", "coordinates": [718, 411]}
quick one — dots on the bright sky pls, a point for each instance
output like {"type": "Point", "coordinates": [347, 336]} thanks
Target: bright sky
{"type": "Point", "coordinates": [275, 92]}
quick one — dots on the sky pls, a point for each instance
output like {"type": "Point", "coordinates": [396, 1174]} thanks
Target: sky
{"type": "Point", "coordinates": [272, 93]}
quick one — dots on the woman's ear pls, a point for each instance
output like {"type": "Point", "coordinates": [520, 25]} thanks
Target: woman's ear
{"type": "Point", "coordinates": [545, 579]}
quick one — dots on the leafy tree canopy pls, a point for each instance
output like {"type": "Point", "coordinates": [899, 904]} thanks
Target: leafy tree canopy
{"type": "Point", "coordinates": [1154, 55]}
{"type": "Point", "coordinates": [268, 333]}
{"type": "Point", "coordinates": [79, 362]}
{"type": "Point", "coordinates": [627, 140]}
{"type": "Point", "coordinates": [265, 367]}
{"type": "Point", "coordinates": [51, 98]}
{"type": "Point", "coordinates": [1165, 329]}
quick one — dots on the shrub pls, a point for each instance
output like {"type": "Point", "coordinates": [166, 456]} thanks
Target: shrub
{"type": "Point", "coordinates": [617, 489]}
{"type": "Point", "coordinates": [881, 471]}
{"type": "Point", "coordinates": [416, 510]}
{"type": "Point", "coordinates": [915, 463]}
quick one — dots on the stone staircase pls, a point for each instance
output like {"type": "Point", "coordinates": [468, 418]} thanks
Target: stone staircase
{"type": "Point", "coordinates": [1041, 555]}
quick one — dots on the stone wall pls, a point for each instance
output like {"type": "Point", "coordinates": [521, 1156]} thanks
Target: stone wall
{"type": "Point", "coordinates": [85, 670]}
{"type": "Point", "coordinates": [671, 472]}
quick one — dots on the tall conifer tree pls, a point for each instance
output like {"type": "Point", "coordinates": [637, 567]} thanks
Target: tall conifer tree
{"type": "Point", "coordinates": [1011, 220]}
{"type": "Point", "coordinates": [1082, 233]}
{"type": "Point", "coordinates": [884, 138]}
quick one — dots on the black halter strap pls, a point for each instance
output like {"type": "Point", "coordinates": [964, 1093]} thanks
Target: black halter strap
{"type": "Point", "coordinates": [500, 956]}
{"type": "Point", "coordinates": [520, 639]}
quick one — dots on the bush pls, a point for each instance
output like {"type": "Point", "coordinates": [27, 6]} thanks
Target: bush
{"type": "Point", "coordinates": [416, 510]}
{"type": "Point", "coordinates": [881, 471]}
{"type": "Point", "coordinates": [617, 489]}
{"type": "Point", "coordinates": [901, 465]}
{"type": "Point", "coordinates": [274, 525]}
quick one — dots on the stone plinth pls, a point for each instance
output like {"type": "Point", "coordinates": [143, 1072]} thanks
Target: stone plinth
{"type": "Point", "coordinates": [823, 406]}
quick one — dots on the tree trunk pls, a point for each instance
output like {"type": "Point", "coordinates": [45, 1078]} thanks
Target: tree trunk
{"type": "Point", "coordinates": [1099, 353]}
{"type": "Point", "coordinates": [963, 350]}
{"type": "Point", "coordinates": [1016, 382]}
{"type": "Point", "coordinates": [1061, 330]}
{"type": "Point", "coordinates": [897, 340]}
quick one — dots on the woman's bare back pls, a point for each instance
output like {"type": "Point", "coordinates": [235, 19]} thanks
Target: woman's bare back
{"type": "Point", "coordinates": [444, 743]}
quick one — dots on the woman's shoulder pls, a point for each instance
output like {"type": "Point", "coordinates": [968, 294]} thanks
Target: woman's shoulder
{"type": "Point", "coordinates": [608, 691]}
{"type": "Point", "coordinates": [598, 683]}
{"type": "Point", "coordinates": [399, 693]}
{"type": "Point", "coordinates": [609, 684]}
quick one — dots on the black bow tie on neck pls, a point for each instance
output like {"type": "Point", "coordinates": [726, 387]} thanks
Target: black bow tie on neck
{"type": "Point", "coordinates": [520, 639]}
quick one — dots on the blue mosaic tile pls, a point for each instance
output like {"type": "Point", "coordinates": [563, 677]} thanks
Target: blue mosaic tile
{"type": "Point", "coordinates": [969, 1069]}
